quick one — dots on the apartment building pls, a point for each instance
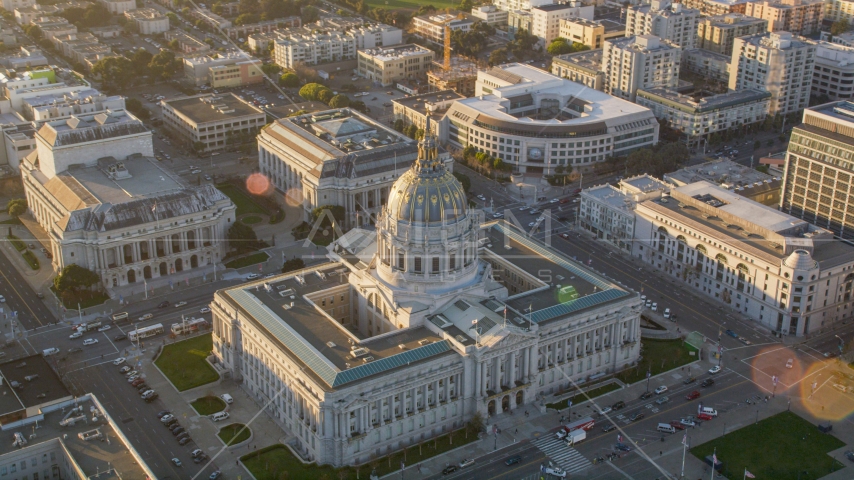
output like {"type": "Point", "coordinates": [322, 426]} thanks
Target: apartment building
{"type": "Point", "coordinates": [12, 5]}
{"type": "Point", "coordinates": [148, 21]}
{"type": "Point", "coordinates": [118, 7]}
{"type": "Point", "coordinates": [716, 7]}
{"type": "Point", "coordinates": [818, 181]}
{"type": "Point", "coordinates": [546, 18]}
{"type": "Point", "coordinates": [432, 27]}
{"type": "Point", "coordinates": [801, 17]}
{"type": "Point", "coordinates": [241, 73]}
{"type": "Point", "coordinates": [711, 65]}
{"type": "Point", "coordinates": [718, 33]}
{"type": "Point", "coordinates": [236, 32]}
{"type": "Point", "coordinates": [198, 69]}
{"type": "Point", "coordinates": [581, 67]}
{"type": "Point", "coordinates": [778, 62]}
{"type": "Point", "coordinates": [490, 14]}
{"type": "Point", "coordinates": [388, 65]}
{"type": "Point", "coordinates": [835, 10]}
{"type": "Point", "coordinates": [641, 61]}
{"type": "Point", "coordinates": [215, 121]}
{"type": "Point", "coordinates": [510, 5]}
{"type": "Point", "coordinates": [314, 49]}
{"type": "Point", "coordinates": [669, 21]}
{"type": "Point", "coordinates": [186, 43]}
{"type": "Point", "coordinates": [591, 33]}
{"type": "Point", "coordinates": [49, 107]}
{"type": "Point", "coordinates": [833, 75]}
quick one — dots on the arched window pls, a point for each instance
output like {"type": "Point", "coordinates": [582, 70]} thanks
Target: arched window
{"type": "Point", "coordinates": [721, 258]}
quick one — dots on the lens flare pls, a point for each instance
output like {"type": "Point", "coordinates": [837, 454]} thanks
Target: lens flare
{"type": "Point", "coordinates": [258, 184]}
{"type": "Point", "coordinates": [293, 197]}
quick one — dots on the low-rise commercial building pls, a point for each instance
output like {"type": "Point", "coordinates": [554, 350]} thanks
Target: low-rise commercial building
{"type": "Point", "coordinates": [642, 61]}
{"type": "Point", "coordinates": [212, 122]}
{"type": "Point", "coordinates": [236, 32]}
{"type": "Point", "coordinates": [490, 14]}
{"type": "Point", "coordinates": [536, 121]}
{"type": "Point", "coordinates": [582, 67]}
{"type": "Point", "coordinates": [699, 115]}
{"type": "Point", "coordinates": [51, 107]}
{"type": "Point", "coordinates": [199, 69]}
{"type": "Point", "coordinates": [417, 109]}
{"type": "Point", "coordinates": [246, 72]}
{"type": "Point", "coordinates": [718, 33]}
{"type": "Point", "coordinates": [30, 13]}
{"type": "Point", "coordinates": [27, 57]}
{"type": "Point", "coordinates": [782, 272]}
{"type": "Point", "coordinates": [739, 179]}
{"type": "Point", "coordinates": [801, 17]}
{"type": "Point", "coordinates": [388, 65]}
{"type": "Point", "coordinates": [591, 33]}
{"type": "Point", "coordinates": [186, 43]}
{"type": "Point", "coordinates": [118, 7]}
{"type": "Point", "coordinates": [711, 65]}
{"type": "Point", "coordinates": [432, 27]}
{"type": "Point", "coordinates": [148, 21]}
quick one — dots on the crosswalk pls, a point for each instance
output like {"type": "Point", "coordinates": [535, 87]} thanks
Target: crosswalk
{"type": "Point", "coordinates": [566, 457]}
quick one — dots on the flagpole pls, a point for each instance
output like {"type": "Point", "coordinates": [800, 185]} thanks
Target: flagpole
{"type": "Point", "coordinates": [684, 448]}
{"type": "Point", "coordinates": [745, 474]}
{"type": "Point", "coordinates": [714, 461]}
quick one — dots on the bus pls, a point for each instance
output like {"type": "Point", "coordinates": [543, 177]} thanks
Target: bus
{"type": "Point", "coordinates": [145, 332]}
{"type": "Point", "coordinates": [189, 326]}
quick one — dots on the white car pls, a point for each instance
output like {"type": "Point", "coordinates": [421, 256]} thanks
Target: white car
{"type": "Point", "coordinates": [666, 313]}
{"type": "Point", "coordinates": [556, 472]}
{"type": "Point", "coordinates": [194, 172]}
{"type": "Point", "coordinates": [131, 373]}
{"type": "Point", "coordinates": [660, 390]}
{"type": "Point", "coordinates": [467, 462]}
{"type": "Point", "coordinates": [104, 328]}
{"type": "Point", "coordinates": [654, 307]}
{"type": "Point", "coordinates": [688, 422]}
{"type": "Point", "coordinates": [554, 200]}
{"type": "Point", "coordinates": [145, 317]}
{"type": "Point", "coordinates": [715, 369]}
{"type": "Point", "coordinates": [125, 369]}
{"type": "Point", "coordinates": [180, 304]}
{"type": "Point", "coordinates": [119, 361]}
{"type": "Point", "coordinates": [252, 276]}
{"type": "Point", "coordinates": [90, 341]}
{"type": "Point", "coordinates": [2, 299]}
{"type": "Point", "coordinates": [790, 363]}
{"type": "Point", "coordinates": [205, 310]}
{"type": "Point", "coordinates": [605, 410]}
{"type": "Point", "coordinates": [75, 335]}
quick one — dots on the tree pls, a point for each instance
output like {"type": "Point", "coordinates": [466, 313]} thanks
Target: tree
{"type": "Point", "coordinates": [247, 18]}
{"type": "Point", "coordinates": [325, 95]}
{"type": "Point", "coordinates": [293, 264]}
{"type": "Point", "coordinates": [134, 106]}
{"type": "Point", "coordinates": [311, 91]}
{"type": "Point", "coordinates": [250, 6]}
{"type": "Point", "coordinates": [164, 64]}
{"type": "Point", "coordinates": [464, 180]}
{"type": "Point", "coordinates": [141, 58]}
{"type": "Point", "coordinates": [559, 46]}
{"type": "Point", "coordinates": [271, 69]}
{"type": "Point", "coordinates": [241, 237]}
{"type": "Point", "coordinates": [839, 26]}
{"type": "Point", "coordinates": [359, 105]}
{"type": "Point", "coordinates": [339, 101]}
{"type": "Point", "coordinates": [289, 79]}
{"type": "Point", "coordinates": [17, 207]}
{"type": "Point", "coordinates": [117, 73]}
{"type": "Point", "coordinates": [73, 277]}
{"type": "Point", "coordinates": [198, 147]}
{"type": "Point", "coordinates": [498, 57]}
{"type": "Point", "coordinates": [475, 425]}
{"type": "Point", "coordinates": [310, 14]}
{"type": "Point", "coordinates": [174, 20]}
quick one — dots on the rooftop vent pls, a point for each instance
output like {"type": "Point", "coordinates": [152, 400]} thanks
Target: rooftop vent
{"type": "Point", "coordinates": [461, 338]}
{"type": "Point", "coordinates": [401, 346]}
{"type": "Point", "coordinates": [330, 344]}
{"type": "Point", "coordinates": [368, 359]}
{"type": "Point", "coordinates": [359, 352]}
{"type": "Point", "coordinates": [424, 342]}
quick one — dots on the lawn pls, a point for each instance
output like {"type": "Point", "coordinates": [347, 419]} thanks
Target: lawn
{"type": "Point", "coordinates": [268, 463]}
{"type": "Point", "coordinates": [17, 243]}
{"type": "Point", "coordinates": [580, 397]}
{"type": "Point", "coordinates": [247, 260]}
{"type": "Point", "coordinates": [208, 405]}
{"type": "Point", "coordinates": [31, 259]}
{"type": "Point", "coordinates": [234, 433]}
{"type": "Point", "coordinates": [184, 363]}
{"type": "Point", "coordinates": [658, 356]}
{"type": "Point", "coordinates": [781, 447]}
{"type": "Point", "coordinates": [251, 219]}
{"type": "Point", "coordinates": [242, 202]}
{"type": "Point", "coordinates": [12, 221]}
{"type": "Point", "coordinates": [409, 4]}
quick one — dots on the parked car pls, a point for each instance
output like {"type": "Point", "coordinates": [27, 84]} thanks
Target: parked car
{"type": "Point", "coordinates": [450, 469]}
{"type": "Point", "coordinates": [131, 373]}
{"type": "Point", "coordinates": [75, 335]}
{"type": "Point", "coordinates": [467, 462]}
{"type": "Point", "coordinates": [119, 361]}
{"type": "Point", "coordinates": [167, 417]}
{"type": "Point", "coordinates": [849, 455]}
{"type": "Point", "coordinates": [690, 380]}
{"type": "Point", "coordinates": [152, 397]}
{"type": "Point", "coordinates": [618, 405]}
{"type": "Point", "coordinates": [177, 462]}
{"type": "Point", "coordinates": [704, 416]}
{"type": "Point", "coordinates": [646, 395]}
{"type": "Point", "coordinates": [205, 310]}
{"type": "Point", "coordinates": [163, 413]}
{"type": "Point", "coordinates": [688, 422]}
{"type": "Point", "coordinates": [75, 350]}
{"type": "Point", "coordinates": [790, 363]}
{"type": "Point", "coordinates": [677, 425]}
{"type": "Point", "coordinates": [660, 390]}
{"type": "Point", "coordinates": [215, 475]}
{"type": "Point", "coordinates": [184, 439]}
{"type": "Point", "coordinates": [715, 369]}
{"type": "Point", "coordinates": [125, 369]}
{"type": "Point", "coordinates": [137, 382]}
{"type": "Point", "coordinates": [90, 341]}
{"type": "Point", "coordinates": [662, 400]}
{"type": "Point", "coordinates": [178, 431]}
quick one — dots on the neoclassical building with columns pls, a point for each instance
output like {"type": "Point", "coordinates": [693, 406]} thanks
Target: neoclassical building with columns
{"type": "Point", "coordinates": [108, 206]}
{"type": "Point", "coordinates": [414, 327]}
{"type": "Point", "coordinates": [336, 157]}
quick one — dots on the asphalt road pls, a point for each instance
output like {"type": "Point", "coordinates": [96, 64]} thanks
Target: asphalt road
{"type": "Point", "coordinates": [21, 298]}
{"type": "Point", "coordinates": [492, 466]}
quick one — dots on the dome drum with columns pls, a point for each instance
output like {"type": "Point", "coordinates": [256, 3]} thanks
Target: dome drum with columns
{"type": "Point", "coordinates": [425, 232]}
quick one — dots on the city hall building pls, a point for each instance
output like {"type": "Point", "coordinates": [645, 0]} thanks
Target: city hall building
{"type": "Point", "coordinates": [413, 328]}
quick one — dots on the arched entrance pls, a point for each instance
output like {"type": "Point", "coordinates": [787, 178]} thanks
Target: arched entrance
{"type": "Point", "coordinates": [163, 269]}
{"type": "Point", "coordinates": [146, 272]}
{"type": "Point", "coordinates": [179, 265]}
{"type": "Point", "coordinates": [505, 403]}
{"type": "Point", "coordinates": [490, 408]}
{"type": "Point", "coordinates": [520, 397]}
{"type": "Point", "coordinates": [194, 262]}
{"type": "Point", "coordinates": [131, 276]}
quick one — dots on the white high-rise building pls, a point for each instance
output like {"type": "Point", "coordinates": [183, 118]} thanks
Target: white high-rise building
{"type": "Point", "coordinates": [546, 19]}
{"type": "Point", "coordinates": [642, 61]}
{"type": "Point", "coordinates": [780, 63]}
{"type": "Point", "coordinates": [668, 21]}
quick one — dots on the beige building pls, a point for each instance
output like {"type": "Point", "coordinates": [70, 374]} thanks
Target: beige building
{"type": "Point", "coordinates": [148, 21]}
{"type": "Point", "coordinates": [246, 72]}
{"type": "Point", "coordinates": [118, 7]}
{"type": "Point", "coordinates": [216, 121]}
{"type": "Point", "coordinates": [669, 21]}
{"type": "Point", "coordinates": [388, 65]}
{"type": "Point", "coordinates": [835, 10]}
{"type": "Point", "coordinates": [710, 65]}
{"type": "Point", "coordinates": [591, 33]}
{"type": "Point", "coordinates": [801, 17]}
{"type": "Point", "coordinates": [186, 43]}
{"type": "Point", "coordinates": [546, 18]}
{"type": "Point", "coordinates": [717, 34]}
{"type": "Point", "coordinates": [716, 7]}
{"type": "Point", "coordinates": [581, 67]}
{"type": "Point", "coordinates": [643, 61]}
{"type": "Point", "coordinates": [416, 109]}
{"type": "Point", "coordinates": [432, 27]}
{"type": "Point", "coordinates": [834, 71]}
{"type": "Point", "coordinates": [780, 63]}
{"type": "Point", "coordinates": [490, 14]}
{"type": "Point", "coordinates": [198, 69]}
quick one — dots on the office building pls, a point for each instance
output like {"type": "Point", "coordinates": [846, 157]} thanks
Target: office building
{"type": "Point", "coordinates": [239, 74]}
{"type": "Point", "coordinates": [780, 271]}
{"type": "Point", "coordinates": [490, 14]}
{"type": "Point", "coordinates": [591, 33]}
{"type": "Point", "coordinates": [801, 17]}
{"type": "Point", "coordinates": [565, 123]}
{"type": "Point", "coordinates": [642, 61]}
{"type": "Point", "coordinates": [417, 109]}
{"type": "Point", "coordinates": [669, 21]}
{"type": "Point", "coordinates": [833, 76]}
{"type": "Point", "coordinates": [388, 65]}
{"type": "Point", "coordinates": [717, 34]}
{"type": "Point", "coordinates": [314, 49]}
{"type": "Point", "coordinates": [546, 18]}
{"type": "Point", "coordinates": [780, 63]}
{"type": "Point", "coordinates": [432, 27]}
{"type": "Point", "coordinates": [214, 121]}
{"type": "Point", "coordinates": [582, 67]}
{"type": "Point", "coordinates": [818, 172]}
{"type": "Point", "coordinates": [739, 179]}
{"type": "Point", "coordinates": [210, 67]}
{"type": "Point", "coordinates": [148, 21]}
{"type": "Point", "coordinates": [418, 336]}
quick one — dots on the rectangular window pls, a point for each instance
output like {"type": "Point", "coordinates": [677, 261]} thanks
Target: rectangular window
{"type": "Point", "coordinates": [401, 261]}
{"type": "Point", "coordinates": [452, 261]}
{"type": "Point", "coordinates": [417, 264]}
{"type": "Point", "coordinates": [435, 265]}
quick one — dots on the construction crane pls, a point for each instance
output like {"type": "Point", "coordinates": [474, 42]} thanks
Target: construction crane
{"type": "Point", "coordinates": [447, 64]}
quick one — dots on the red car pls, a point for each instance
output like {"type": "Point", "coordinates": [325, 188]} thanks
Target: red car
{"type": "Point", "coordinates": [677, 425]}
{"type": "Point", "coordinates": [137, 382]}
{"type": "Point", "coordinates": [564, 200]}
{"type": "Point", "coordinates": [693, 395]}
{"type": "Point", "coordinates": [704, 416]}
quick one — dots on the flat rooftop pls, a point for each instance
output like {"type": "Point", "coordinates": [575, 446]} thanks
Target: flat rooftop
{"type": "Point", "coordinates": [533, 257]}
{"type": "Point", "coordinates": [590, 60]}
{"type": "Point", "coordinates": [723, 172]}
{"type": "Point", "coordinates": [213, 108]}
{"type": "Point", "coordinates": [46, 388]}
{"type": "Point", "coordinates": [396, 52]}
{"type": "Point", "coordinates": [323, 344]}
{"type": "Point", "coordinates": [610, 195]}
{"type": "Point", "coordinates": [761, 215]}
{"type": "Point", "coordinates": [645, 183]}
{"type": "Point", "coordinates": [701, 104]}
{"type": "Point", "coordinates": [419, 103]}
{"type": "Point", "coordinates": [92, 456]}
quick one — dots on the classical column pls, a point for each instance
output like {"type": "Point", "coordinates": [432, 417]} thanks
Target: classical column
{"type": "Point", "coordinates": [482, 385]}
{"type": "Point", "coordinates": [512, 369]}
{"type": "Point", "coordinates": [532, 360]}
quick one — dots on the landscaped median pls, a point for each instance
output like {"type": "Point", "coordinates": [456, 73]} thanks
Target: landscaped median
{"type": "Point", "coordinates": [208, 405]}
{"type": "Point", "coordinates": [269, 463]}
{"type": "Point", "coordinates": [781, 447]}
{"type": "Point", "coordinates": [248, 260]}
{"type": "Point", "coordinates": [16, 242]}
{"type": "Point", "coordinates": [234, 434]}
{"type": "Point", "coordinates": [184, 364]}
{"type": "Point", "coordinates": [658, 356]}
{"type": "Point", "coordinates": [31, 259]}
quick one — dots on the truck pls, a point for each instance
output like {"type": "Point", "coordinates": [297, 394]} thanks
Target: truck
{"type": "Point", "coordinates": [576, 436]}
{"type": "Point", "coordinates": [85, 327]}
{"type": "Point", "coordinates": [585, 423]}
{"type": "Point", "coordinates": [50, 351]}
